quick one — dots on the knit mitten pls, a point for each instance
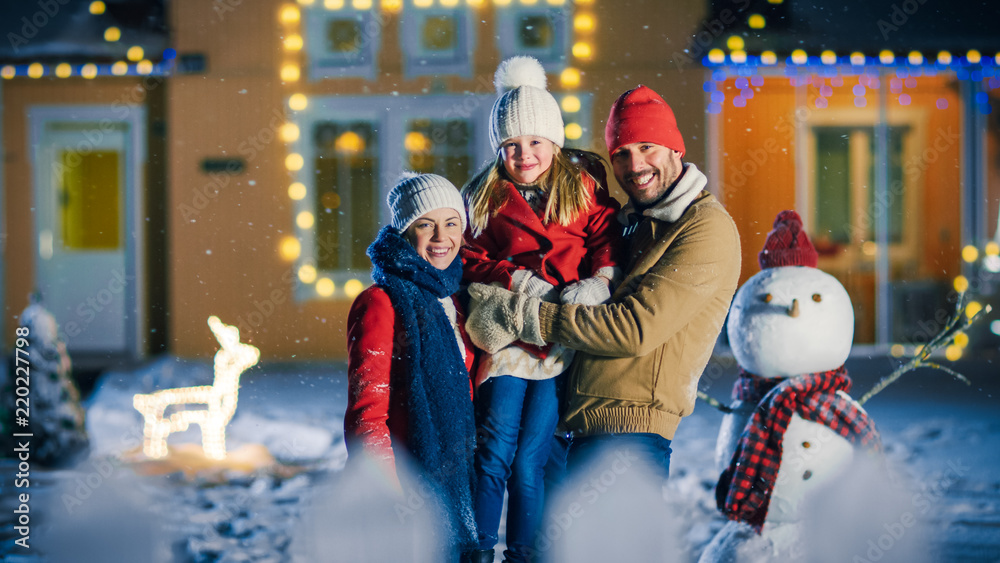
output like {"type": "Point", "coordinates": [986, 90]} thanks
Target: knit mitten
{"type": "Point", "coordinates": [527, 282]}
{"type": "Point", "coordinates": [498, 318]}
{"type": "Point", "coordinates": [588, 291]}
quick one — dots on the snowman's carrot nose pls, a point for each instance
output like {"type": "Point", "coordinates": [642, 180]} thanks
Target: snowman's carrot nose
{"type": "Point", "coordinates": [793, 311]}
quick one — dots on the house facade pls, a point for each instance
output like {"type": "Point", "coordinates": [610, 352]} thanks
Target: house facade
{"type": "Point", "coordinates": [264, 143]}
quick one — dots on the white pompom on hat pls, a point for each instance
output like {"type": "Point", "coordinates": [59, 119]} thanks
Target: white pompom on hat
{"type": "Point", "coordinates": [524, 107]}
{"type": "Point", "coordinates": [417, 194]}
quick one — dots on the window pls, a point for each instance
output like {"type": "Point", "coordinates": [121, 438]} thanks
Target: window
{"type": "Point", "coordinates": [342, 42]}
{"type": "Point", "coordinates": [346, 178]}
{"type": "Point", "coordinates": [845, 185]}
{"type": "Point", "coordinates": [353, 151]}
{"type": "Point", "coordinates": [441, 147]}
{"type": "Point", "coordinates": [437, 41]}
{"type": "Point", "coordinates": [540, 32]}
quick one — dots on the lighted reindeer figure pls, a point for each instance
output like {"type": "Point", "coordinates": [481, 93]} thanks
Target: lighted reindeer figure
{"type": "Point", "coordinates": [220, 399]}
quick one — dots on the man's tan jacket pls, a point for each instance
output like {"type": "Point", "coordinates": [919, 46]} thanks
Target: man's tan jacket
{"type": "Point", "coordinates": [641, 355]}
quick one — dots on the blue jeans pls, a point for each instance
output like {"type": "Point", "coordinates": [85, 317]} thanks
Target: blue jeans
{"type": "Point", "coordinates": [517, 418]}
{"type": "Point", "coordinates": [652, 449]}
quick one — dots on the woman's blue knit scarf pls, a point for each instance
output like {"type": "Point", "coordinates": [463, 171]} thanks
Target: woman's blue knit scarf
{"type": "Point", "coordinates": [441, 429]}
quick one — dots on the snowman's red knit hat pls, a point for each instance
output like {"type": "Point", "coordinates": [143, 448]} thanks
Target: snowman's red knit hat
{"type": "Point", "coordinates": [787, 244]}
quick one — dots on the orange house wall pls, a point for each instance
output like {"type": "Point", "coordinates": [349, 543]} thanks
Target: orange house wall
{"type": "Point", "coordinates": [770, 115]}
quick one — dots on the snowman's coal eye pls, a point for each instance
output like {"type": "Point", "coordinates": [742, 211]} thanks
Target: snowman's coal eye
{"type": "Point", "coordinates": [817, 297]}
{"type": "Point", "coordinates": [806, 445]}
{"type": "Point", "coordinates": [767, 298]}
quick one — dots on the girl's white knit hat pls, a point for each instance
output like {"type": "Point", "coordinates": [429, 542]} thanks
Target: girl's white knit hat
{"type": "Point", "coordinates": [417, 194]}
{"type": "Point", "coordinates": [524, 107]}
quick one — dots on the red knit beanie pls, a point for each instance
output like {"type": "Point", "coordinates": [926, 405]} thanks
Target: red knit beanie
{"type": "Point", "coordinates": [641, 115]}
{"type": "Point", "coordinates": [787, 244]}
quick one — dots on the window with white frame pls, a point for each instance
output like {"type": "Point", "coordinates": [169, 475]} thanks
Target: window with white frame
{"type": "Point", "coordinates": [437, 40]}
{"type": "Point", "coordinates": [342, 42]}
{"type": "Point", "coordinates": [353, 150]}
{"type": "Point", "coordinates": [845, 207]}
{"type": "Point", "coordinates": [541, 32]}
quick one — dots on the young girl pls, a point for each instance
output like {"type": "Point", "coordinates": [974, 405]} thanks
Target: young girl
{"type": "Point", "coordinates": [540, 222]}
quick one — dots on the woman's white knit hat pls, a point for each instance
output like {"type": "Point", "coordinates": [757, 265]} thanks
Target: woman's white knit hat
{"type": "Point", "coordinates": [524, 107]}
{"type": "Point", "coordinates": [416, 194]}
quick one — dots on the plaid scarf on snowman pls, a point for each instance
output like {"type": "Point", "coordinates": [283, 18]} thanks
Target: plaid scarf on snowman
{"type": "Point", "coordinates": [744, 490]}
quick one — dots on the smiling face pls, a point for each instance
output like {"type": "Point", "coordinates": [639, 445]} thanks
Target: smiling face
{"type": "Point", "coordinates": [437, 236]}
{"type": "Point", "coordinates": [646, 170]}
{"type": "Point", "coordinates": [527, 157]}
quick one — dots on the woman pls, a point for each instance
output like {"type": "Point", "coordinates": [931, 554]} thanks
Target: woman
{"type": "Point", "coordinates": [409, 356]}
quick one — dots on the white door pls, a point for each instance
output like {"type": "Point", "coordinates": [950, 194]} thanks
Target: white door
{"type": "Point", "coordinates": [87, 193]}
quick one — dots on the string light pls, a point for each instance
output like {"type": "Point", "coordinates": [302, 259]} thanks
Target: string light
{"type": "Point", "coordinates": [571, 104]}
{"type": "Point", "coordinates": [325, 287]}
{"type": "Point", "coordinates": [298, 102]}
{"type": "Point", "coordinates": [64, 70]}
{"type": "Point", "coordinates": [297, 191]}
{"type": "Point", "coordinates": [36, 70]}
{"type": "Point", "coordinates": [290, 248]}
{"type": "Point", "coordinates": [353, 287]}
{"type": "Point", "coordinates": [970, 253]}
{"type": "Point", "coordinates": [220, 399]}
{"type": "Point", "coordinates": [307, 273]}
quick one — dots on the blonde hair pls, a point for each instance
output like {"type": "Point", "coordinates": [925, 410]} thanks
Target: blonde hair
{"type": "Point", "coordinates": [563, 182]}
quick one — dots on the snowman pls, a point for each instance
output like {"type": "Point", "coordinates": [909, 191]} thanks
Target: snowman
{"type": "Point", "coordinates": [793, 427]}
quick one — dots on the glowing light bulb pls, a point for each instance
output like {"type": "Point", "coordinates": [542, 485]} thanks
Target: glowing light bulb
{"type": "Point", "coordinates": [88, 71]}
{"type": "Point", "coordinates": [353, 288]}
{"type": "Point", "coordinates": [973, 308]}
{"type": "Point", "coordinates": [8, 72]}
{"type": "Point", "coordinates": [325, 287]}
{"type": "Point", "coordinates": [915, 58]}
{"type": "Point", "coordinates": [290, 248]}
{"type": "Point", "coordinates": [570, 78]}
{"type": "Point", "coordinates": [573, 131]}
{"type": "Point", "coordinates": [583, 22]}
{"type": "Point", "coordinates": [305, 220]}
{"type": "Point", "coordinates": [571, 104]}
{"type": "Point", "coordinates": [112, 34]}
{"type": "Point", "coordinates": [64, 70]}
{"type": "Point", "coordinates": [886, 56]}
{"type": "Point", "coordinates": [970, 253]}
{"type": "Point", "coordinates": [307, 273]}
{"type": "Point", "coordinates": [756, 21]}
{"type": "Point", "coordinates": [144, 67]}
{"type": "Point", "coordinates": [290, 72]}
{"type": "Point", "coordinates": [120, 68]}
{"type": "Point", "coordinates": [290, 14]}
{"type": "Point", "coordinates": [961, 339]}
{"type": "Point", "coordinates": [857, 58]}
{"type": "Point", "coordinates": [294, 162]}
{"type": "Point", "coordinates": [769, 58]}
{"type": "Point", "coordinates": [297, 191]}
{"type": "Point", "coordinates": [289, 132]}
{"type": "Point", "coordinates": [960, 283]}
{"type": "Point", "coordinates": [944, 57]}
{"type": "Point", "coordinates": [135, 53]}
{"type": "Point", "coordinates": [953, 353]}
{"type": "Point", "coordinates": [973, 56]}
{"type": "Point", "coordinates": [293, 42]}
{"type": "Point", "coordinates": [582, 50]}
{"type": "Point", "coordinates": [298, 102]}
{"type": "Point", "coordinates": [828, 57]}
{"type": "Point", "coordinates": [97, 8]}
{"type": "Point", "coordinates": [738, 57]}
{"type": "Point", "coordinates": [799, 57]}
{"type": "Point", "coordinates": [717, 56]}
{"type": "Point", "coordinates": [36, 70]}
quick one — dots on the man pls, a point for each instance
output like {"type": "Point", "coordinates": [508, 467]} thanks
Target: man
{"type": "Point", "coordinates": [640, 356]}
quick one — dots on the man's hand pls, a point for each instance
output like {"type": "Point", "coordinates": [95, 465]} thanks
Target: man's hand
{"type": "Point", "coordinates": [588, 291]}
{"type": "Point", "coordinates": [498, 317]}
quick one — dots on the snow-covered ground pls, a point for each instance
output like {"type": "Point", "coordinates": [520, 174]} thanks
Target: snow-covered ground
{"type": "Point", "coordinates": [942, 442]}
